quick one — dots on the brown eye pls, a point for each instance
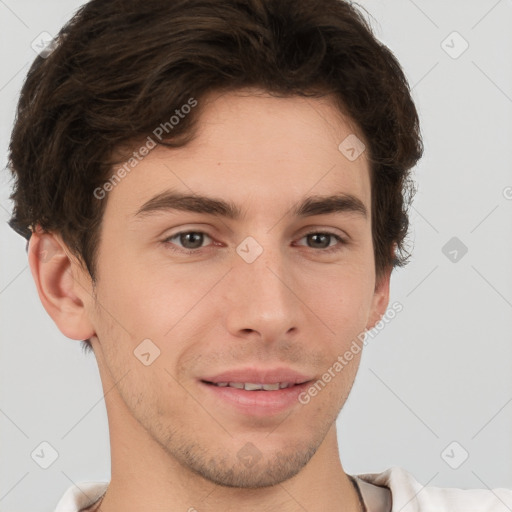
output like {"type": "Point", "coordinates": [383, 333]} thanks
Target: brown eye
{"type": "Point", "coordinates": [324, 241]}
{"type": "Point", "coordinates": [319, 240]}
{"type": "Point", "coordinates": [191, 240]}
{"type": "Point", "coordinates": [187, 240]}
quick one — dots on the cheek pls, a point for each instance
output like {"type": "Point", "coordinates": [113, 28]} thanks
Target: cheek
{"type": "Point", "coordinates": [344, 306]}
{"type": "Point", "coordinates": [171, 308]}
{"type": "Point", "coordinates": [143, 301]}
{"type": "Point", "coordinates": [341, 297]}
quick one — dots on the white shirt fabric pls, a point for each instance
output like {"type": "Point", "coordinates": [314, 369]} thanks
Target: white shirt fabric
{"type": "Point", "coordinates": [393, 490]}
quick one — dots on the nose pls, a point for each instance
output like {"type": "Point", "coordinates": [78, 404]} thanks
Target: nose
{"type": "Point", "coordinates": [261, 298]}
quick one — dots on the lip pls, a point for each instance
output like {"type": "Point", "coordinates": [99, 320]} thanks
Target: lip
{"type": "Point", "coordinates": [255, 403]}
{"type": "Point", "coordinates": [260, 403]}
{"type": "Point", "coordinates": [259, 375]}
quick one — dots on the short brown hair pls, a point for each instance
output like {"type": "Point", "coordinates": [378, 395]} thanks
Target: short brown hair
{"type": "Point", "coordinates": [121, 67]}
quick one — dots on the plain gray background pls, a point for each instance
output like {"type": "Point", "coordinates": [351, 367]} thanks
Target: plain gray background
{"type": "Point", "coordinates": [434, 386]}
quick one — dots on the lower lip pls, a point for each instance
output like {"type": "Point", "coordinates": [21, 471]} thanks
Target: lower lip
{"type": "Point", "coordinates": [258, 403]}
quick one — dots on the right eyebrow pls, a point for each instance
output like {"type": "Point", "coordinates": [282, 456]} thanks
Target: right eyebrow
{"type": "Point", "coordinates": [170, 200]}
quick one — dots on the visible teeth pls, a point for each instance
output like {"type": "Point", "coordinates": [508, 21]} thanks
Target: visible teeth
{"type": "Point", "coordinates": [252, 386]}
{"type": "Point", "coordinates": [249, 386]}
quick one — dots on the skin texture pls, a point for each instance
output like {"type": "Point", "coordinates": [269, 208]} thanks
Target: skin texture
{"type": "Point", "coordinates": [174, 447]}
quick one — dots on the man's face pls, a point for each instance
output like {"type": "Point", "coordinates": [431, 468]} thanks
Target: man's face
{"type": "Point", "coordinates": [266, 290]}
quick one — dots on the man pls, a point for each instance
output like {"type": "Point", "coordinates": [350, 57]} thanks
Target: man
{"type": "Point", "coordinates": [214, 195]}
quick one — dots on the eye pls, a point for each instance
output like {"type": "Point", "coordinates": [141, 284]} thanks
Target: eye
{"type": "Point", "coordinates": [191, 241]}
{"type": "Point", "coordinates": [322, 240]}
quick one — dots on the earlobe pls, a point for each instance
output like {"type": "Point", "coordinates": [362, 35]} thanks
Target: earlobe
{"type": "Point", "coordinates": [61, 294]}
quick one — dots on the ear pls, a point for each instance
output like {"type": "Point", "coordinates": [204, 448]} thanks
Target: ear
{"type": "Point", "coordinates": [61, 284]}
{"type": "Point", "coordinates": [380, 299]}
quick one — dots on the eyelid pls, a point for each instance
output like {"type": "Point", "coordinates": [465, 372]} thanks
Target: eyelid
{"type": "Point", "coordinates": [330, 231]}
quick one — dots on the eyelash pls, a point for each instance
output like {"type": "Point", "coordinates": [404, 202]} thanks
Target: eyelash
{"type": "Point", "coordinates": [169, 245]}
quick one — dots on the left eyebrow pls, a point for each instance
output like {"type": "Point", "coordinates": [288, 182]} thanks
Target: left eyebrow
{"type": "Point", "coordinates": [340, 203]}
{"type": "Point", "coordinates": [314, 205]}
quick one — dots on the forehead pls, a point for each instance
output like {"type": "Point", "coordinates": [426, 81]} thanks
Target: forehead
{"type": "Point", "coordinates": [256, 150]}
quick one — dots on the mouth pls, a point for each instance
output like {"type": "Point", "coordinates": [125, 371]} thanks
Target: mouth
{"type": "Point", "coordinates": [255, 398]}
{"type": "Point", "coordinates": [251, 386]}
